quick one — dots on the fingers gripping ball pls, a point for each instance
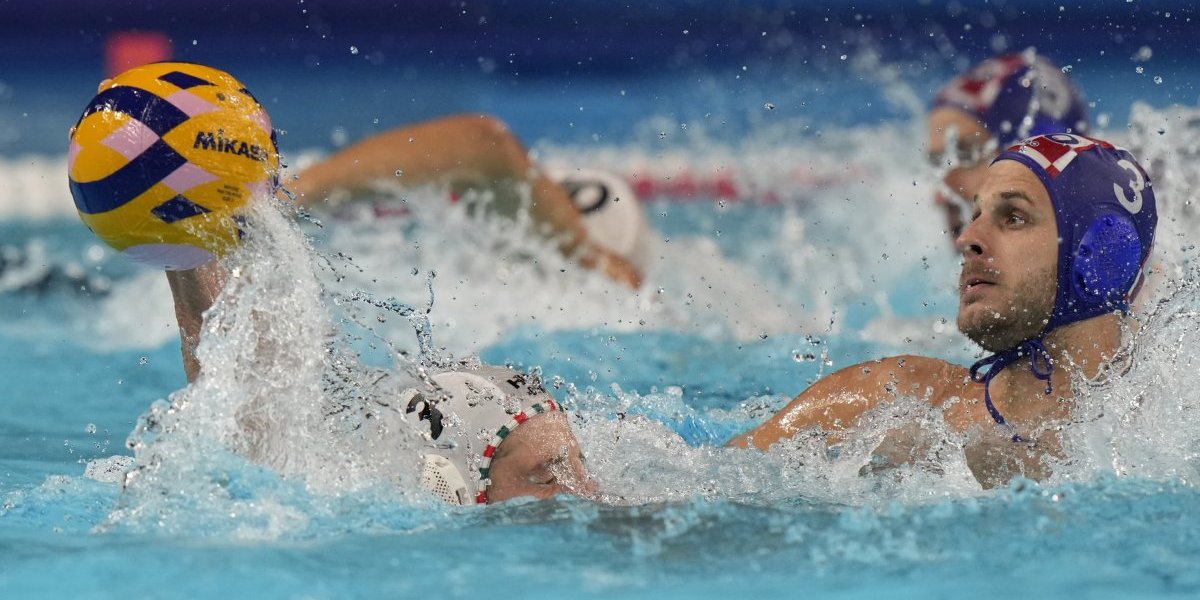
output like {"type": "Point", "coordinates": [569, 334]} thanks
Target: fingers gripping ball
{"type": "Point", "coordinates": [164, 160]}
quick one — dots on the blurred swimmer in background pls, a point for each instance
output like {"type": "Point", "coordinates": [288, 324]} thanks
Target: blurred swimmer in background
{"type": "Point", "coordinates": [991, 106]}
{"type": "Point", "coordinates": [165, 163]}
{"type": "Point", "coordinates": [591, 215]}
{"type": "Point", "coordinates": [1061, 232]}
{"type": "Point", "coordinates": [988, 108]}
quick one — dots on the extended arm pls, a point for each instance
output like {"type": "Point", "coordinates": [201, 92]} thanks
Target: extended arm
{"type": "Point", "coordinates": [194, 292]}
{"type": "Point", "coordinates": [837, 402]}
{"type": "Point", "coordinates": [465, 152]}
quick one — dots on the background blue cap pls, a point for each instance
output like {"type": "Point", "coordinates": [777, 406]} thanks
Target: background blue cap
{"type": "Point", "coordinates": [1001, 92]}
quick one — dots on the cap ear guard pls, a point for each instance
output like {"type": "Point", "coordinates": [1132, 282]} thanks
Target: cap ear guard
{"type": "Point", "coordinates": [589, 195]}
{"type": "Point", "coordinates": [441, 477]}
{"type": "Point", "coordinates": [438, 473]}
{"type": "Point", "coordinates": [1107, 260]}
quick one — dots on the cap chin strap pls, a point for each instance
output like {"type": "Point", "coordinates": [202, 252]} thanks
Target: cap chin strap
{"type": "Point", "coordinates": [1041, 364]}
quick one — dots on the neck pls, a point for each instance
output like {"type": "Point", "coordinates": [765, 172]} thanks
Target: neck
{"type": "Point", "coordinates": [1080, 348]}
{"type": "Point", "coordinates": [1084, 347]}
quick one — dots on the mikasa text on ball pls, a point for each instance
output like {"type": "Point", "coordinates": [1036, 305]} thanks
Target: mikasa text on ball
{"type": "Point", "coordinates": [165, 159]}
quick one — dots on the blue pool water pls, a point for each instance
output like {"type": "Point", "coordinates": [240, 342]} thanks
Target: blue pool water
{"type": "Point", "coordinates": [746, 302]}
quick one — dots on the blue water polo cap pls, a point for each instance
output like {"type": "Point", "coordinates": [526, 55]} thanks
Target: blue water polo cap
{"type": "Point", "coordinates": [1104, 204]}
{"type": "Point", "coordinates": [1002, 92]}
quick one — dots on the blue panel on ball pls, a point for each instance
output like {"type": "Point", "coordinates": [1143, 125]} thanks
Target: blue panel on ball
{"type": "Point", "coordinates": [183, 80]}
{"type": "Point", "coordinates": [177, 209]}
{"type": "Point", "coordinates": [129, 182]}
{"type": "Point", "coordinates": [157, 114]}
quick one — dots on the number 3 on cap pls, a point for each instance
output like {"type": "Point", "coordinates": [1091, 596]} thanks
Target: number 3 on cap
{"type": "Point", "coordinates": [1137, 184]}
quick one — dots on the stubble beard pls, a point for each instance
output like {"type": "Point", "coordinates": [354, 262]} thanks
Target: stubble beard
{"type": "Point", "coordinates": [1024, 316]}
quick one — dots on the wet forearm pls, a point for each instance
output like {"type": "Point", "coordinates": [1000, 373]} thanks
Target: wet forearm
{"type": "Point", "coordinates": [194, 292]}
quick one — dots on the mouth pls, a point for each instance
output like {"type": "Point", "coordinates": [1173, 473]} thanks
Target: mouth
{"type": "Point", "coordinates": [974, 284]}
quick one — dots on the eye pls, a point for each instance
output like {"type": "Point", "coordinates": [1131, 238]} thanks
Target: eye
{"type": "Point", "coordinates": [542, 477]}
{"type": "Point", "coordinates": [967, 156]}
{"type": "Point", "coordinates": [1015, 219]}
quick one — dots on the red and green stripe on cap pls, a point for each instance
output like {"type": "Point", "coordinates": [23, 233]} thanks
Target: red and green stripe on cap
{"type": "Point", "coordinates": [485, 465]}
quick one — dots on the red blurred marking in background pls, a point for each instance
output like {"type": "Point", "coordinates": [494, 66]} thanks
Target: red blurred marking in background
{"type": "Point", "coordinates": [125, 50]}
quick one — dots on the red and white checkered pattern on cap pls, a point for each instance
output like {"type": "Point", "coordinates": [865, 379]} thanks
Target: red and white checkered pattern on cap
{"type": "Point", "coordinates": [978, 88]}
{"type": "Point", "coordinates": [1054, 152]}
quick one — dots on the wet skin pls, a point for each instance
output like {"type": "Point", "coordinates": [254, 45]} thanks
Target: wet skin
{"type": "Point", "coordinates": [540, 459]}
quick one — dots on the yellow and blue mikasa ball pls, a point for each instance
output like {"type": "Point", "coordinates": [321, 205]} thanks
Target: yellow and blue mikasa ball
{"type": "Point", "coordinates": [165, 159]}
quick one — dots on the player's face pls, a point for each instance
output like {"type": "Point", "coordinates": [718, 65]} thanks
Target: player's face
{"type": "Point", "coordinates": [958, 150]}
{"type": "Point", "coordinates": [540, 459]}
{"type": "Point", "coordinates": [1010, 259]}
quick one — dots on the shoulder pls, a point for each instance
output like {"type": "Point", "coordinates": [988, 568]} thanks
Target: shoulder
{"type": "Point", "coordinates": [911, 367]}
{"type": "Point", "coordinates": [838, 401]}
{"type": "Point", "coordinates": [882, 378]}
{"type": "Point", "coordinates": [921, 376]}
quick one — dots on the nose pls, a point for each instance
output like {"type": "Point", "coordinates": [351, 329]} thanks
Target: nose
{"type": "Point", "coordinates": [970, 242]}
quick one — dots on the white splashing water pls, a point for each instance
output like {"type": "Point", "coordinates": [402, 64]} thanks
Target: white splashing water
{"type": "Point", "coordinates": [263, 395]}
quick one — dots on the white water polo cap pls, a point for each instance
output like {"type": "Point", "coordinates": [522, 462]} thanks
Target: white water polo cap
{"type": "Point", "coordinates": [611, 212]}
{"type": "Point", "coordinates": [478, 408]}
